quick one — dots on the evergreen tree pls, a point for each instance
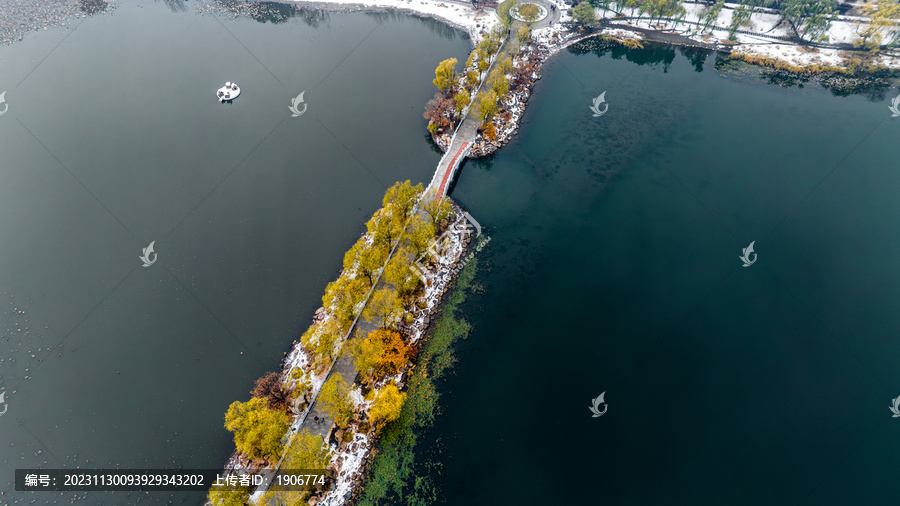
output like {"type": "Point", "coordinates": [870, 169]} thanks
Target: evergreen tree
{"type": "Point", "coordinates": [583, 14]}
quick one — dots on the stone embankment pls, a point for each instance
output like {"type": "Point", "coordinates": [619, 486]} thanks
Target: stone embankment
{"type": "Point", "coordinates": [353, 444]}
{"type": "Point", "coordinates": [352, 458]}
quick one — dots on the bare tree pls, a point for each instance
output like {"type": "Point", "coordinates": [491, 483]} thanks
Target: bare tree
{"type": "Point", "coordinates": [271, 388]}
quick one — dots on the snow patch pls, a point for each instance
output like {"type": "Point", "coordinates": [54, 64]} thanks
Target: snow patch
{"type": "Point", "coordinates": [348, 465]}
{"type": "Point", "coordinates": [476, 22]}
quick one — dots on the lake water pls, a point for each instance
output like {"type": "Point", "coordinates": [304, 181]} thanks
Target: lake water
{"type": "Point", "coordinates": [613, 263]}
{"type": "Point", "coordinates": [113, 139]}
{"type": "Point", "coordinates": [614, 267]}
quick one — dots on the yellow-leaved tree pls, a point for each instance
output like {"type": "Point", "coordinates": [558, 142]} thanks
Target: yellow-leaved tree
{"type": "Point", "coordinates": [366, 355]}
{"type": "Point", "coordinates": [342, 296]}
{"type": "Point", "coordinates": [257, 429]}
{"type": "Point", "coordinates": [395, 353]}
{"type": "Point", "coordinates": [461, 100]}
{"type": "Point", "coordinates": [388, 404]}
{"type": "Point", "coordinates": [335, 399]}
{"type": "Point", "coordinates": [883, 28]}
{"type": "Point", "coordinates": [403, 197]}
{"type": "Point", "coordinates": [444, 74]}
{"type": "Point", "coordinates": [364, 260]}
{"type": "Point", "coordinates": [307, 451]}
{"type": "Point", "coordinates": [438, 211]}
{"type": "Point", "coordinates": [398, 272]}
{"type": "Point", "coordinates": [384, 308]}
{"type": "Point", "coordinates": [487, 105]}
{"type": "Point", "coordinates": [220, 496]}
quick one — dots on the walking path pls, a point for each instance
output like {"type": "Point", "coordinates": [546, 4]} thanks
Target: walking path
{"type": "Point", "coordinates": [466, 133]}
{"type": "Point", "coordinates": [456, 153]}
{"type": "Point", "coordinates": [316, 420]}
{"type": "Point", "coordinates": [552, 14]}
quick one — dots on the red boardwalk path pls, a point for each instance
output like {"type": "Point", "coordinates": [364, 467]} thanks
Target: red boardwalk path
{"type": "Point", "coordinates": [442, 189]}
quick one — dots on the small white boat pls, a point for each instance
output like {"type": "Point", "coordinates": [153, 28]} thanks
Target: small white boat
{"type": "Point", "coordinates": [230, 91]}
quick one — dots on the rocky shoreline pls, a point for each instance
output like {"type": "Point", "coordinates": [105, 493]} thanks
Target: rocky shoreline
{"type": "Point", "coordinates": [352, 460]}
{"type": "Point", "coordinates": [872, 83]}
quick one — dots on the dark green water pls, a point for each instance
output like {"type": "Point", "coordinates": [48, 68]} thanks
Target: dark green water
{"type": "Point", "coordinates": [114, 139]}
{"type": "Point", "coordinates": [613, 267]}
